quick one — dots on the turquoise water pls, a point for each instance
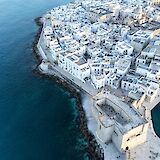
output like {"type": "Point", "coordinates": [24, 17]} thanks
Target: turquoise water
{"type": "Point", "coordinates": [38, 118]}
{"type": "Point", "coordinates": [156, 119]}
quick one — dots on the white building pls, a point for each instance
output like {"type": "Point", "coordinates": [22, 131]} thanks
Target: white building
{"type": "Point", "coordinates": [119, 123]}
{"type": "Point", "coordinates": [48, 30]}
{"type": "Point", "coordinates": [124, 48]}
{"type": "Point", "coordinates": [142, 70]}
{"type": "Point", "coordinates": [75, 65]}
{"type": "Point", "coordinates": [152, 91]}
{"type": "Point", "coordinates": [96, 69]}
{"type": "Point", "coordinates": [141, 60]}
{"type": "Point", "coordinates": [122, 66]}
{"type": "Point", "coordinates": [100, 14]}
{"type": "Point", "coordinates": [149, 52]}
{"type": "Point", "coordinates": [140, 40]}
{"type": "Point", "coordinates": [113, 80]}
{"type": "Point", "coordinates": [98, 81]}
{"type": "Point", "coordinates": [154, 70]}
{"type": "Point", "coordinates": [55, 48]}
{"type": "Point", "coordinates": [155, 2]}
{"type": "Point", "coordinates": [129, 82]}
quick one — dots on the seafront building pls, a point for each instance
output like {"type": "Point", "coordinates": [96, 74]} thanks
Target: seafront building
{"type": "Point", "coordinates": [119, 123]}
{"type": "Point", "coordinates": [113, 46]}
{"type": "Point", "coordinates": [155, 2]}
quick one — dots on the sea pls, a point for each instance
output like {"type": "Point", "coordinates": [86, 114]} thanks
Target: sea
{"type": "Point", "coordinates": [38, 118]}
{"type": "Point", "coordinates": [156, 119]}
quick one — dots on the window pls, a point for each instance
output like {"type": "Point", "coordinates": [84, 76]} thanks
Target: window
{"type": "Point", "coordinates": [115, 133]}
{"type": "Point", "coordinates": [127, 148]}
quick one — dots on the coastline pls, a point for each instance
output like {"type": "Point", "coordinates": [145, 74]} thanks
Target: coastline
{"type": "Point", "coordinates": [93, 147]}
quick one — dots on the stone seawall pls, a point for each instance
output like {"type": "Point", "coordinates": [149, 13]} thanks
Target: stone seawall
{"type": "Point", "coordinates": [94, 149]}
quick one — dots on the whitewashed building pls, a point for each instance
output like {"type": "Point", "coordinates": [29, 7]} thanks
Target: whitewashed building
{"type": "Point", "coordinates": [142, 70]}
{"type": "Point", "coordinates": [149, 52]}
{"type": "Point", "coordinates": [152, 91]}
{"type": "Point", "coordinates": [98, 81]}
{"type": "Point", "coordinates": [124, 48]}
{"type": "Point", "coordinates": [155, 2]}
{"type": "Point", "coordinates": [129, 82]}
{"type": "Point", "coordinates": [140, 40]}
{"type": "Point", "coordinates": [119, 123]}
{"type": "Point", "coordinates": [113, 80]}
{"type": "Point", "coordinates": [141, 60]}
{"type": "Point", "coordinates": [75, 65]}
{"type": "Point", "coordinates": [122, 66]}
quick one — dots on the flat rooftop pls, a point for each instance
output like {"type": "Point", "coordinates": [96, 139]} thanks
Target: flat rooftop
{"type": "Point", "coordinates": [122, 64]}
{"type": "Point", "coordinates": [111, 113]}
{"type": "Point", "coordinates": [81, 61]}
{"type": "Point", "coordinates": [130, 78]}
{"type": "Point", "coordinates": [126, 116]}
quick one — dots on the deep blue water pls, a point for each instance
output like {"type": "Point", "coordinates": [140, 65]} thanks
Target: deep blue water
{"type": "Point", "coordinates": [156, 119]}
{"type": "Point", "coordinates": [38, 118]}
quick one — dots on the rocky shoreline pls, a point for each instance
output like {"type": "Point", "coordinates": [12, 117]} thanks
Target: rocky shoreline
{"type": "Point", "coordinates": [93, 147]}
